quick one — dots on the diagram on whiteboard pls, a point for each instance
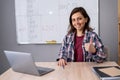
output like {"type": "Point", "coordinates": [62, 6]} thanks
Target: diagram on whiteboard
{"type": "Point", "coordinates": [46, 21]}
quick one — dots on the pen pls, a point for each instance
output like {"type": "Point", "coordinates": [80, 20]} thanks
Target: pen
{"type": "Point", "coordinates": [63, 66]}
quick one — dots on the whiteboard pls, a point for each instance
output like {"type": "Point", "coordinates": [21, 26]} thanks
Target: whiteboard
{"type": "Point", "coordinates": [46, 21]}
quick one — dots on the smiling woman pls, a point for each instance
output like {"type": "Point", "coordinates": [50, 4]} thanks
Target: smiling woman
{"type": "Point", "coordinates": [81, 44]}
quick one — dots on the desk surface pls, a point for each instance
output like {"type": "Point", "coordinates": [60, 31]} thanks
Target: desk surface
{"type": "Point", "coordinates": [73, 71]}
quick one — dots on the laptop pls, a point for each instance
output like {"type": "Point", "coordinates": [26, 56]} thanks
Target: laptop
{"type": "Point", "coordinates": [22, 62]}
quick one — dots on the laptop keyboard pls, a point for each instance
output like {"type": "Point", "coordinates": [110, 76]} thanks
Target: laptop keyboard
{"type": "Point", "coordinates": [41, 71]}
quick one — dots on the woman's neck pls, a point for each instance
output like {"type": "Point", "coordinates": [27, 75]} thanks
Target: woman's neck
{"type": "Point", "coordinates": [79, 33]}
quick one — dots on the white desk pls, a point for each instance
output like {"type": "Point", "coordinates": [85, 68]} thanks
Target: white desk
{"type": "Point", "coordinates": [73, 71]}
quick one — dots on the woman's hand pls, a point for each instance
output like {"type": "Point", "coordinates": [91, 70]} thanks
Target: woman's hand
{"type": "Point", "coordinates": [90, 47]}
{"type": "Point", "coordinates": [62, 62]}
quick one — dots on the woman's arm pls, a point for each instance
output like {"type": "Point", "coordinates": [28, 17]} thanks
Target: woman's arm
{"type": "Point", "coordinates": [99, 56]}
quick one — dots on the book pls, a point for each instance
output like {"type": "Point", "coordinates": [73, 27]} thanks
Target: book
{"type": "Point", "coordinates": [107, 72]}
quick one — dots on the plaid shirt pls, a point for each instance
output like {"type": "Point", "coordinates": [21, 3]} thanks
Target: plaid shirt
{"type": "Point", "coordinates": [67, 49]}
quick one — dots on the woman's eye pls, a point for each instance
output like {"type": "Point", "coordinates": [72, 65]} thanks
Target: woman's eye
{"type": "Point", "coordinates": [79, 18]}
{"type": "Point", "coordinates": [73, 19]}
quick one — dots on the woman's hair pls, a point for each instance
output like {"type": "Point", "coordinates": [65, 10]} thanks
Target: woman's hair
{"type": "Point", "coordinates": [84, 13]}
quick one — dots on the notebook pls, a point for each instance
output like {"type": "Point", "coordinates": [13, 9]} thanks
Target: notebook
{"type": "Point", "coordinates": [108, 72]}
{"type": "Point", "coordinates": [22, 62]}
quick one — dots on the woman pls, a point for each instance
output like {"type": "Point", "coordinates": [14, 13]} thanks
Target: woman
{"type": "Point", "coordinates": [81, 44]}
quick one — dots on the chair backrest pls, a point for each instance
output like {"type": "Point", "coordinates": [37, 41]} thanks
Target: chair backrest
{"type": "Point", "coordinates": [107, 53]}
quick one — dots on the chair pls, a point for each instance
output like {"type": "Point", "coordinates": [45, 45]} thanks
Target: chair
{"type": "Point", "coordinates": [107, 53]}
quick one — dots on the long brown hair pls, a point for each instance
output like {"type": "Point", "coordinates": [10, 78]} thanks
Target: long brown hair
{"type": "Point", "coordinates": [84, 13]}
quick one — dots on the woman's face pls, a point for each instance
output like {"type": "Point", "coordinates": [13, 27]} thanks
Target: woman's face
{"type": "Point", "coordinates": [78, 21]}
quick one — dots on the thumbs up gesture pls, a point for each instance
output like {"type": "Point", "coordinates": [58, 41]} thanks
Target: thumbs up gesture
{"type": "Point", "coordinates": [90, 47]}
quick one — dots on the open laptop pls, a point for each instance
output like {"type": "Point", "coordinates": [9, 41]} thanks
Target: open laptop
{"type": "Point", "coordinates": [23, 62]}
